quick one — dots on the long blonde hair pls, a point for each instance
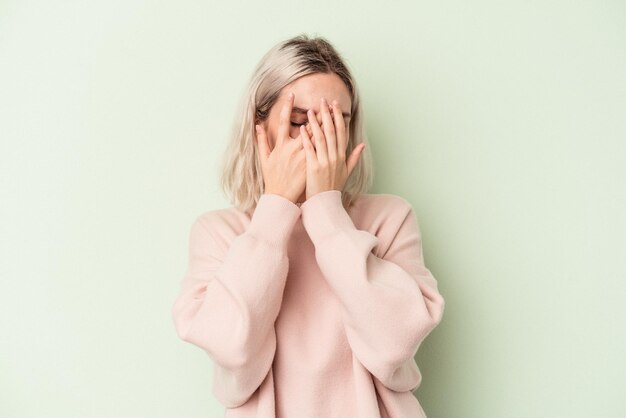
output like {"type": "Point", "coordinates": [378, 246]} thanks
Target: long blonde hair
{"type": "Point", "coordinates": [241, 172]}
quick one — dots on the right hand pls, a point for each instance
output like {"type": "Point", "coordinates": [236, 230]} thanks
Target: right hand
{"type": "Point", "coordinates": [284, 167]}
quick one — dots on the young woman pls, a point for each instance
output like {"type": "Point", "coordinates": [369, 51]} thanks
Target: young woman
{"type": "Point", "coordinates": [309, 294]}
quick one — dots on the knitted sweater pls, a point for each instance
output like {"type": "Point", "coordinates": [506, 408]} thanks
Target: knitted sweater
{"type": "Point", "coordinates": [310, 310]}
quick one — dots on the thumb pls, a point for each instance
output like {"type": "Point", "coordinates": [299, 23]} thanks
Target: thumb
{"type": "Point", "coordinates": [354, 157]}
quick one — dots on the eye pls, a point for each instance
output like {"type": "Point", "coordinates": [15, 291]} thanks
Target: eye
{"type": "Point", "coordinates": [296, 124]}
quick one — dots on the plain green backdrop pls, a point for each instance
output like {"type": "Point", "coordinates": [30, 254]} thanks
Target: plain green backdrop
{"type": "Point", "coordinates": [502, 122]}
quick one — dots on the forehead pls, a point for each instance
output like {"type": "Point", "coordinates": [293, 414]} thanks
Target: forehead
{"type": "Point", "coordinates": [311, 88]}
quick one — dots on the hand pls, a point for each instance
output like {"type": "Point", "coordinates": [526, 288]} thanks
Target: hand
{"type": "Point", "coordinates": [326, 165]}
{"type": "Point", "coordinates": [308, 127]}
{"type": "Point", "coordinates": [284, 168]}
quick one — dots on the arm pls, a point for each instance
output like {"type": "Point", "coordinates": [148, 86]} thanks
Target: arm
{"type": "Point", "coordinates": [232, 293]}
{"type": "Point", "coordinates": [389, 303]}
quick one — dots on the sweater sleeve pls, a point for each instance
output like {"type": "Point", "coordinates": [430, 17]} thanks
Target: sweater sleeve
{"type": "Point", "coordinates": [231, 295]}
{"type": "Point", "coordinates": [389, 303]}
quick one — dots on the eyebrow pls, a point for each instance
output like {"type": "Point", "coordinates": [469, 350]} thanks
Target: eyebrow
{"type": "Point", "coordinates": [304, 111]}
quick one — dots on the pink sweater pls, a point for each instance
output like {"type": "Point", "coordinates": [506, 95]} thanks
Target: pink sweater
{"type": "Point", "coordinates": [310, 311]}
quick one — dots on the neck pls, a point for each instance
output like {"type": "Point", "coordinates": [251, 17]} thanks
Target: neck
{"type": "Point", "coordinates": [302, 198]}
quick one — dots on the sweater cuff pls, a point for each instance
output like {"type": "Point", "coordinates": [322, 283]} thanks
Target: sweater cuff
{"type": "Point", "coordinates": [323, 214]}
{"type": "Point", "coordinates": [273, 219]}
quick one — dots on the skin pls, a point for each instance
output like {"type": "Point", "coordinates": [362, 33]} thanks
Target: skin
{"type": "Point", "coordinates": [304, 154]}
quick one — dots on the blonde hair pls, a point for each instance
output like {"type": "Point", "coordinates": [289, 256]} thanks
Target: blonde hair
{"type": "Point", "coordinates": [241, 172]}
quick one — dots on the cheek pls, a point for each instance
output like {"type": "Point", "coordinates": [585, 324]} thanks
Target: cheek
{"type": "Point", "coordinates": [294, 131]}
{"type": "Point", "coordinates": [271, 139]}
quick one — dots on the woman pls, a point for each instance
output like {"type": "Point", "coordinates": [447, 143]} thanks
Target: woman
{"type": "Point", "coordinates": [309, 294]}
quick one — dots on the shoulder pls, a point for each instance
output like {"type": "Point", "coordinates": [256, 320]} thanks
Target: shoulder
{"type": "Point", "coordinates": [219, 219]}
{"type": "Point", "coordinates": [386, 202]}
{"type": "Point", "coordinates": [381, 208]}
{"type": "Point", "coordinates": [219, 226]}
{"type": "Point", "coordinates": [384, 215]}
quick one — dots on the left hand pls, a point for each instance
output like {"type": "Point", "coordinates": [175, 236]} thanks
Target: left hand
{"type": "Point", "coordinates": [326, 165]}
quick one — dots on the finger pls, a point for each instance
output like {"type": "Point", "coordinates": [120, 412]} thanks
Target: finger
{"type": "Point", "coordinates": [354, 157]}
{"type": "Point", "coordinates": [308, 147]}
{"type": "Point", "coordinates": [305, 132]}
{"type": "Point", "coordinates": [309, 131]}
{"type": "Point", "coordinates": [261, 138]}
{"type": "Point", "coordinates": [329, 131]}
{"type": "Point", "coordinates": [320, 141]}
{"type": "Point", "coordinates": [284, 119]}
{"type": "Point", "coordinates": [340, 129]}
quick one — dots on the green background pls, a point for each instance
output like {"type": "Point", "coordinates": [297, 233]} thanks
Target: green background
{"type": "Point", "coordinates": [503, 123]}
